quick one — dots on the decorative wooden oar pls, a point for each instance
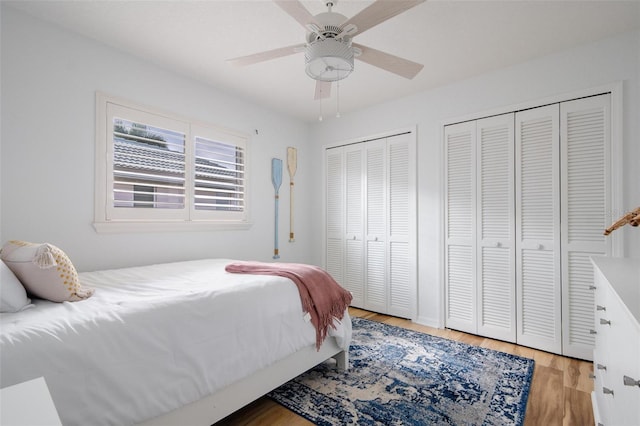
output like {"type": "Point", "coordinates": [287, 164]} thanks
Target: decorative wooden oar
{"type": "Point", "coordinates": [276, 179]}
{"type": "Point", "coordinates": [292, 165]}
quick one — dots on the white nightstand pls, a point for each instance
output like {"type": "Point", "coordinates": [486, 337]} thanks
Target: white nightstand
{"type": "Point", "coordinates": [28, 404]}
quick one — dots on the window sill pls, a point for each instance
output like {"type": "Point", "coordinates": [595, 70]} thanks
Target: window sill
{"type": "Point", "coordinates": [116, 227]}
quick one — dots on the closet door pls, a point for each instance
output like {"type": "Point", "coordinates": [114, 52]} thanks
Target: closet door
{"type": "Point", "coordinates": [371, 233]}
{"type": "Point", "coordinates": [354, 275]}
{"type": "Point", "coordinates": [495, 230]}
{"type": "Point", "coordinates": [401, 236]}
{"type": "Point", "coordinates": [586, 206]}
{"type": "Point", "coordinates": [538, 285]}
{"type": "Point", "coordinates": [334, 184]}
{"type": "Point", "coordinates": [460, 204]}
{"type": "Point", "coordinates": [377, 289]}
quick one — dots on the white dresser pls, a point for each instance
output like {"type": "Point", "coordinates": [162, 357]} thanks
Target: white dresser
{"type": "Point", "coordinates": [616, 357]}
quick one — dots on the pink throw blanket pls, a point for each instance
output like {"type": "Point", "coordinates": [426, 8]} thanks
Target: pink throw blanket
{"type": "Point", "coordinates": [322, 297]}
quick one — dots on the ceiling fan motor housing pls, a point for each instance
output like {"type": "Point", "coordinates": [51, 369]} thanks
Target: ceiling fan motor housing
{"type": "Point", "coordinates": [328, 59]}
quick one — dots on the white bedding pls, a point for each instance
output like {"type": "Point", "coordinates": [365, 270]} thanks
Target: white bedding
{"type": "Point", "coordinates": [154, 338]}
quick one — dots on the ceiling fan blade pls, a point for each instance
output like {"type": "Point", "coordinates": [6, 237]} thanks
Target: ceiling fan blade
{"type": "Point", "coordinates": [323, 90]}
{"type": "Point", "coordinates": [395, 64]}
{"type": "Point", "coordinates": [378, 12]}
{"type": "Point", "coordinates": [267, 55]}
{"type": "Point", "coordinates": [297, 11]}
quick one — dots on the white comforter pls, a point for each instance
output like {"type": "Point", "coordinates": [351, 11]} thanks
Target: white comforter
{"type": "Point", "coordinates": [154, 338]}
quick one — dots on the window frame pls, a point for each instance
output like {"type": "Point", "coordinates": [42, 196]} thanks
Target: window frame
{"type": "Point", "coordinates": [110, 219]}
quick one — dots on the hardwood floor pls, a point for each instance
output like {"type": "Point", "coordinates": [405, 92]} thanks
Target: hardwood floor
{"type": "Point", "coordinates": [560, 391]}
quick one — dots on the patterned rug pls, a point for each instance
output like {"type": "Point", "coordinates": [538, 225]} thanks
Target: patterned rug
{"type": "Point", "coordinates": [402, 377]}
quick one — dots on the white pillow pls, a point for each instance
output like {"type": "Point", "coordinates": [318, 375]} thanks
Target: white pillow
{"type": "Point", "coordinates": [13, 296]}
{"type": "Point", "coordinates": [45, 271]}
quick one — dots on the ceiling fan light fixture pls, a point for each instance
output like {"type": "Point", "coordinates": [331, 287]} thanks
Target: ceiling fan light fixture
{"type": "Point", "coordinates": [329, 59]}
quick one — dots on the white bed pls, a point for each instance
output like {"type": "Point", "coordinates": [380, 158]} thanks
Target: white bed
{"type": "Point", "coordinates": [178, 343]}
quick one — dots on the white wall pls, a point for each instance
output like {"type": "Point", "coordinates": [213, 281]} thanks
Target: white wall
{"type": "Point", "coordinates": [596, 64]}
{"type": "Point", "coordinates": [49, 79]}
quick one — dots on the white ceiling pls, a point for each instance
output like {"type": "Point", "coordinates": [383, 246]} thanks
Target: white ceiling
{"type": "Point", "coordinates": [453, 39]}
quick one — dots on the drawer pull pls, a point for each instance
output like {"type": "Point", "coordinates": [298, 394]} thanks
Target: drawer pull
{"type": "Point", "coordinates": [607, 391]}
{"type": "Point", "coordinates": [592, 287]}
{"type": "Point", "coordinates": [593, 332]}
{"type": "Point", "coordinates": [601, 367]}
{"type": "Point", "coordinates": [604, 321]}
{"type": "Point", "coordinates": [600, 308]}
{"type": "Point", "coordinates": [628, 381]}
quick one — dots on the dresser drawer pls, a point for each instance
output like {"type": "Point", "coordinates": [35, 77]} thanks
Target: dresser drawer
{"type": "Point", "coordinates": [600, 382]}
{"type": "Point", "coordinates": [617, 353]}
{"type": "Point", "coordinates": [623, 358]}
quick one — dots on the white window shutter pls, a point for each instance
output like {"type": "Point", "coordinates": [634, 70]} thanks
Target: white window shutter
{"type": "Point", "coordinates": [585, 134]}
{"type": "Point", "coordinates": [158, 171]}
{"type": "Point", "coordinates": [460, 202]}
{"type": "Point", "coordinates": [219, 174]}
{"type": "Point", "coordinates": [496, 228]}
{"type": "Point", "coordinates": [538, 284]}
{"type": "Point", "coordinates": [146, 165]}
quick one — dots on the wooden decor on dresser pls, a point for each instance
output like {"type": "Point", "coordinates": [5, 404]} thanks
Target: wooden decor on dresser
{"type": "Point", "coordinates": [632, 218]}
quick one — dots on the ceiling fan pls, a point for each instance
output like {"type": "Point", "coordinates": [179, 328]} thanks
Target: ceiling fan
{"type": "Point", "coordinates": [329, 50]}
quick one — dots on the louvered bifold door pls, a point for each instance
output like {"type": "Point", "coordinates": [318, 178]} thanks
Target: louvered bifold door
{"type": "Point", "coordinates": [496, 228]}
{"type": "Point", "coordinates": [460, 202]}
{"type": "Point", "coordinates": [538, 291]}
{"type": "Point", "coordinates": [334, 172]}
{"type": "Point", "coordinates": [354, 223]}
{"type": "Point", "coordinates": [585, 139]}
{"type": "Point", "coordinates": [377, 289]}
{"type": "Point", "coordinates": [402, 235]}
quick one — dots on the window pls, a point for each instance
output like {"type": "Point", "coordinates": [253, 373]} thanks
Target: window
{"type": "Point", "coordinates": [155, 171]}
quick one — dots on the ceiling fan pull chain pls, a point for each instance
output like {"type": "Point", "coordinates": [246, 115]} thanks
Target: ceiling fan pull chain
{"type": "Point", "coordinates": [320, 117]}
{"type": "Point", "coordinates": [338, 99]}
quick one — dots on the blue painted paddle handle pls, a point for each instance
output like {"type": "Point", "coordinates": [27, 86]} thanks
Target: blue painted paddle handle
{"type": "Point", "coordinates": [276, 179]}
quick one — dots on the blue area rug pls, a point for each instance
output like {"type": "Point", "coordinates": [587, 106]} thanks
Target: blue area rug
{"type": "Point", "coordinates": [402, 377]}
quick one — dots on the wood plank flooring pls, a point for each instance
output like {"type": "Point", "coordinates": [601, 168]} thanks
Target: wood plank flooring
{"type": "Point", "coordinates": [560, 391]}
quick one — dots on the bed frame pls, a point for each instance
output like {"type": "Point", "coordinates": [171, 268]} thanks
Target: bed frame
{"type": "Point", "coordinates": [219, 405]}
